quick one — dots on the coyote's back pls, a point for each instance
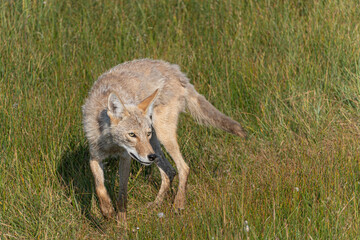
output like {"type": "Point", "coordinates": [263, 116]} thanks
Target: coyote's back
{"type": "Point", "coordinates": [135, 80]}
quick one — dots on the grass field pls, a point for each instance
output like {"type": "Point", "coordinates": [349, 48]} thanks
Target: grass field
{"type": "Point", "coordinates": [288, 71]}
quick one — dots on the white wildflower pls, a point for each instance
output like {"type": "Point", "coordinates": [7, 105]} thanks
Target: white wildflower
{"type": "Point", "coordinates": [246, 227]}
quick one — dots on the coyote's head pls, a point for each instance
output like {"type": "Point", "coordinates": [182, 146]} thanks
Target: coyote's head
{"type": "Point", "coordinates": [131, 127]}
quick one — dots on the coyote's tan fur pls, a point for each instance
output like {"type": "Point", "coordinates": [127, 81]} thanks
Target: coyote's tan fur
{"type": "Point", "coordinates": [123, 106]}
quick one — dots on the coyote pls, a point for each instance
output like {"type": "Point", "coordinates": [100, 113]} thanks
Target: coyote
{"type": "Point", "coordinates": [129, 110]}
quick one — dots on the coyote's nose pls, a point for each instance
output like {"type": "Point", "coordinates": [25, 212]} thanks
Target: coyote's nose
{"type": "Point", "coordinates": [152, 157]}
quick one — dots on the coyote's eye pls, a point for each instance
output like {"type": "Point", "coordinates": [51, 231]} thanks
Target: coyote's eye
{"type": "Point", "coordinates": [149, 134]}
{"type": "Point", "coordinates": [132, 134]}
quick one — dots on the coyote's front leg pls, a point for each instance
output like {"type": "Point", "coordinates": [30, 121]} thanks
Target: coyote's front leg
{"type": "Point", "coordinates": [105, 202]}
{"type": "Point", "coordinates": [124, 172]}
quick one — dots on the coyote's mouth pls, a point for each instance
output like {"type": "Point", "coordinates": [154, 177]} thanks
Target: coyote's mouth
{"type": "Point", "coordinates": [143, 163]}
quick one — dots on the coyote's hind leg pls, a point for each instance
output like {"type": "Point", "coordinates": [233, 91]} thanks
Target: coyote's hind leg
{"type": "Point", "coordinates": [166, 132]}
{"type": "Point", "coordinates": [166, 170]}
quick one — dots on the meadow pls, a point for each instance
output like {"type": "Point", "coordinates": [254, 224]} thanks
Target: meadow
{"type": "Point", "coordinates": [288, 71]}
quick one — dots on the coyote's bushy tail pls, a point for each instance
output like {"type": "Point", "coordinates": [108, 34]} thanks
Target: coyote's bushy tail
{"type": "Point", "coordinates": [205, 113]}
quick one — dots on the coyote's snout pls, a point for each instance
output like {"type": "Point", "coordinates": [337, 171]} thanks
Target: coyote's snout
{"type": "Point", "coordinates": [129, 110]}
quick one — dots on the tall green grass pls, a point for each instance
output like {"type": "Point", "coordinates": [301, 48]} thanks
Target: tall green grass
{"type": "Point", "coordinates": [288, 71]}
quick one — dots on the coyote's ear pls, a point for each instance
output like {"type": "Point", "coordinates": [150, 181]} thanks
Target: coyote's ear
{"type": "Point", "coordinates": [147, 104]}
{"type": "Point", "coordinates": [116, 107]}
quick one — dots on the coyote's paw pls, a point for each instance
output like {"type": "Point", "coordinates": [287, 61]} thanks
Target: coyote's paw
{"type": "Point", "coordinates": [121, 220]}
{"type": "Point", "coordinates": [107, 210]}
{"type": "Point", "coordinates": [179, 204]}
